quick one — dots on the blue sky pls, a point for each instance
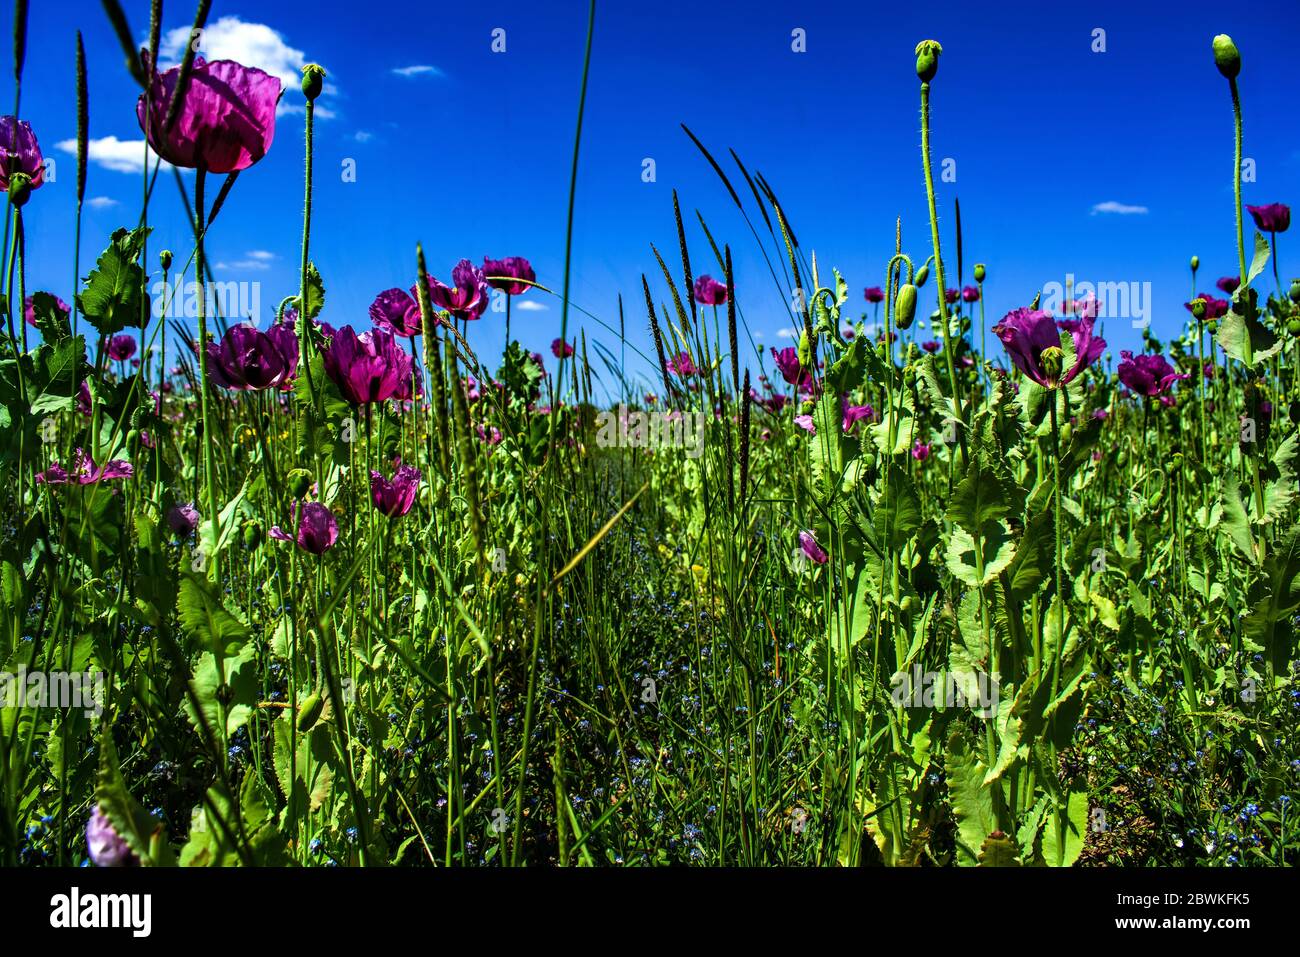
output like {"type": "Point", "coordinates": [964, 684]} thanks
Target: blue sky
{"type": "Point", "coordinates": [471, 156]}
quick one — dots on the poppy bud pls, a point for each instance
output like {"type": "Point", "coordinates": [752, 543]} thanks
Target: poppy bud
{"type": "Point", "coordinates": [313, 80]}
{"type": "Point", "coordinates": [300, 481]}
{"type": "Point", "coordinates": [807, 407]}
{"type": "Point", "coordinates": [252, 534]}
{"type": "Point", "coordinates": [1196, 263]}
{"type": "Point", "coordinates": [1177, 459]}
{"type": "Point", "coordinates": [309, 711]}
{"type": "Point", "coordinates": [1293, 326]}
{"type": "Point", "coordinates": [909, 375]}
{"type": "Point", "coordinates": [927, 59]}
{"type": "Point", "coordinates": [1198, 308]}
{"type": "Point", "coordinates": [805, 350]}
{"type": "Point", "coordinates": [1211, 327]}
{"type": "Point", "coordinates": [922, 275]}
{"type": "Point", "coordinates": [1295, 290]}
{"type": "Point", "coordinates": [905, 305]}
{"type": "Point", "coordinates": [165, 258]}
{"type": "Point", "coordinates": [20, 188]}
{"type": "Point", "coordinates": [1226, 56]}
{"type": "Point", "coordinates": [979, 272]}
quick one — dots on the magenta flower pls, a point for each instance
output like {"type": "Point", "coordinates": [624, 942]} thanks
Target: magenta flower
{"type": "Point", "coordinates": [682, 365]}
{"type": "Point", "coordinates": [503, 274]}
{"type": "Point", "coordinates": [249, 359]}
{"type": "Point", "coordinates": [120, 348]}
{"type": "Point", "coordinates": [85, 471]}
{"type": "Point", "coordinates": [561, 349]}
{"type": "Point", "coordinates": [489, 436]}
{"type": "Point", "coordinates": [855, 413]}
{"type": "Point", "coordinates": [395, 498]}
{"type": "Point", "coordinates": [19, 152]}
{"type": "Point", "coordinates": [317, 531]}
{"type": "Point", "coordinates": [1147, 374]}
{"type": "Point", "coordinates": [398, 312]}
{"type": "Point", "coordinates": [1273, 218]}
{"type": "Point", "coordinates": [106, 846]}
{"type": "Point", "coordinates": [710, 292]}
{"type": "Point", "coordinates": [970, 294]}
{"type": "Point", "coordinates": [787, 363]}
{"type": "Point", "coordinates": [370, 367]}
{"type": "Point", "coordinates": [806, 423]}
{"type": "Point", "coordinates": [225, 123]}
{"type": "Point", "coordinates": [1101, 415]}
{"type": "Point", "coordinates": [84, 405]}
{"type": "Point", "coordinates": [1229, 284]}
{"type": "Point", "coordinates": [1214, 308]}
{"type": "Point", "coordinates": [930, 346]}
{"type": "Point", "coordinates": [1033, 342]}
{"type": "Point", "coordinates": [921, 450]}
{"type": "Point", "coordinates": [183, 519]}
{"type": "Point", "coordinates": [29, 305]}
{"type": "Point", "coordinates": [874, 294]}
{"type": "Point", "coordinates": [467, 296]}
{"type": "Point", "coordinates": [950, 295]}
{"type": "Point", "coordinates": [816, 554]}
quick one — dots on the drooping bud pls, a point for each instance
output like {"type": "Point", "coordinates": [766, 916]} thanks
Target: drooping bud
{"type": "Point", "coordinates": [905, 305]}
{"type": "Point", "coordinates": [309, 711]}
{"type": "Point", "coordinates": [979, 272]}
{"type": "Point", "coordinates": [805, 350]}
{"type": "Point", "coordinates": [927, 59]}
{"type": "Point", "coordinates": [922, 275]}
{"type": "Point", "coordinates": [313, 80]}
{"type": "Point", "coordinates": [1226, 56]}
{"type": "Point", "coordinates": [299, 481]}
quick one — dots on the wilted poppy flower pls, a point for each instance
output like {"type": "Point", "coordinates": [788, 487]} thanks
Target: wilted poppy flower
{"type": "Point", "coordinates": [395, 498]}
{"type": "Point", "coordinates": [317, 531]}
{"type": "Point", "coordinates": [225, 122]}
{"type": "Point", "coordinates": [1229, 284]}
{"type": "Point", "coordinates": [19, 152]}
{"type": "Point", "coordinates": [500, 273]}
{"type": "Point", "coordinates": [1033, 342]}
{"type": "Point", "coordinates": [29, 305]}
{"type": "Point", "coordinates": [183, 519]}
{"type": "Point", "coordinates": [105, 845]}
{"type": "Point", "coordinates": [874, 294]}
{"type": "Point", "coordinates": [787, 363]}
{"type": "Point", "coordinates": [398, 312]}
{"type": "Point", "coordinates": [809, 546]}
{"type": "Point", "coordinates": [930, 346]}
{"type": "Point", "coordinates": [467, 296]}
{"type": "Point", "coordinates": [85, 471]}
{"type": "Point", "coordinates": [710, 292]}
{"type": "Point", "coordinates": [561, 349]}
{"type": "Point", "coordinates": [855, 413]}
{"type": "Point", "coordinates": [248, 358]}
{"type": "Point", "coordinates": [1147, 374]}
{"type": "Point", "coordinates": [950, 295]}
{"type": "Point", "coordinates": [921, 450]}
{"type": "Point", "coordinates": [121, 348]}
{"type": "Point", "coordinates": [682, 365]}
{"type": "Point", "coordinates": [970, 294]}
{"type": "Point", "coordinates": [370, 367]}
{"type": "Point", "coordinates": [1273, 218]}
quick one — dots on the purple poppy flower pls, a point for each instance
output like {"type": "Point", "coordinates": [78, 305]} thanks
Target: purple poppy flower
{"type": "Point", "coordinates": [370, 367]}
{"type": "Point", "coordinates": [970, 294]}
{"type": "Point", "coordinates": [806, 423]}
{"type": "Point", "coordinates": [226, 120]}
{"type": "Point", "coordinates": [921, 450]}
{"type": "Point", "coordinates": [106, 846]}
{"type": "Point", "coordinates": [1229, 284]}
{"type": "Point", "coordinates": [1273, 218]}
{"type": "Point", "coordinates": [467, 296]}
{"type": "Point", "coordinates": [855, 413]}
{"type": "Point", "coordinates": [317, 531]}
{"type": "Point", "coordinates": [501, 272]}
{"type": "Point", "coordinates": [29, 305]}
{"type": "Point", "coordinates": [1033, 342]}
{"type": "Point", "coordinates": [19, 152]}
{"type": "Point", "coordinates": [787, 363]}
{"type": "Point", "coordinates": [1147, 374]}
{"type": "Point", "coordinates": [121, 348]}
{"type": "Point", "coordinates": [808, 545]}
{"type": "Point", "coordinates": [1214, 308]}
{"type": "Point", "coordinates": [249, 359]}
{"type": "Point", "coordinates": [561, 349]}
{"type": "Point", "coordinates": [930, 346]}
{"type": "Point", "coordinates": [83, 399]}
{"type": "Point", "coordinates": [874, 294]}
{"type": "Point", "coordinates": [398, 312]}
{"type": "Point", "coordinates": [951, 295]}
{"type": "Point", "coordinates": [395, 498]}
{"type": "Point", "coordinates": [183, 519]}
{"type": "Point", "coordinates": [710, 292]}
{"type": "Point", "coordinates": [85, 471]}
{"type": "Point", "coordinates": [1101, 415]}
{"type": "Point", "coordinates": [682, 365]}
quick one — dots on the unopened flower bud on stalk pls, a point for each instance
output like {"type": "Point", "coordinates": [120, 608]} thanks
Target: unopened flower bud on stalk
{"type": "Point", "coordinates": [299, 481]}
{"type": "Point", "coordinates": [165, 259]}
{"type": "Point", "coordinates": [1198, 308]}
{"type": "Point", "coordinates": [252, 533]}
{"type": "Point", "coordinates": [1294, 294]}
{"type": "Point", "coordinates": [922, 275]}
{"type": "Point", "coordinates": [927, 59]}
{"type": "Point", "coordinates": [1196, 263]}
{"type": "Point", "coordinates": [1226, 56]}
{"type": "Point", "coordinates": [905, 305]}
{"type": "Point", "coordinates": [313, 80]}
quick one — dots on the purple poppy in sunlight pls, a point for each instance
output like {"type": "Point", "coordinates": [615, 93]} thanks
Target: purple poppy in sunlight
{"type": "Point", "coordinates": [1147, 375]}
{"type": "Point", "coordinates": [466, 297]}
{"type": "Point", "coordinates": [930, 346]}
{"type": "Point", "coordinates": [1214, 308]}
{"type": "Point", "coordinates": [853, 414]}
{"type": "Point", "coordinates": [183, 519]}
{"type": "Point", "coordinates": [398, 312]}
{"type": "Point", "coordinates": [370, 367]}
{"type": "Point", "coordinates": [1228, 284]}
{"type": "Point", "coordinates": [84, 405]}
{"type": "Point", "coordinates": [806, 423]}
{"type": "Point", "coordinates": [225, 121]}
{"type": "Point", "coordinates": [787, 363]}
{"type": "Point", "coordinates": [874, 294]}
{"type": "Point", "coordinates": [950, 295]}
{"type": "Point", "coordinates": [85, 471]}
{"type": "Point", "coordinates": [19, 152]}
{"type": "Point", "coordinates": [561, 349]}
{"type": "Point", "coordinates": [970, 294]}
{"type": "Point", "coordinates": [1271, 218]}
{"type": "Point", "coordinates": [121, 348]}
{"type": "Point", "coordinates": [105, 845]}
{"type": "Point", "coordinates": [394, 498]}
{"type": "Point", "coordinates": [249, 359]}
{"type": "Point", "coordinates": [504, 274]}
{"type": "Point", "coordinates": [1033, 342]}
{"type": "Point", "coordinates": [808, 545]}
{"type": "Point", "coordinates": [317, 531]}
{"type": "Point", "coordinates": [921, 450]}
{"type": "Point", "coordinates": [682, 365]}
{"type": "Point", "coordinates": [29, 307]}
{"type": "Point", "coordinates": [710, 292]}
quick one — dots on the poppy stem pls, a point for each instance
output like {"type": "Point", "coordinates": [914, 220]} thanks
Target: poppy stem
{"type": "Point", "coordinates": [209, 470]}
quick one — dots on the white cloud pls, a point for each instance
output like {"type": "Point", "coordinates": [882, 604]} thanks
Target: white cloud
{"type": "Point", "coordinates": [363, 136]}
{"type": "Point", "coordinates": [1120, 209]}
{"type": "Point", "coordinates": [101, 202]}
{"type": "Point", "coordinates": [422, 69]}
{"type": "Point", "coordinates": [787, 334]}
{"type": "Point", "coordinates": [121, 156]}
{"type": "Point", "coordinates": [261, 254]}
{"type": "Point", "coordinates": [531, 305]}
{"type": "Point", "coordinates": [253, 259]}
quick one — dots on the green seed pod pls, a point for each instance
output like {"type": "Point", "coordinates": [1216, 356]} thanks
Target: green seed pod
{"type": "Point", "coordinates": [252, 533]}
{"type": "Point", "coordinates": [1294, 294]}
{"type": "Point", "coordinates": [20, 188]}
{"type": "Point", "coordinates": [313, 80]}
{"type": "Point", "coordinates": [922, 275]}
{"type": "Point", "coordinates": [1226, 56]}
{"type": "Point", "coordinates": [1212, 327]}
{"type": "Point", "coordinates": [165, 258]}
{"type": "Point", "coordinates": [927, 59]}
{"type": "Point", "coordinates": [309, 711]}
{"type": "Point", "coordinates": [1177, 460]}
{"type": "Point", "coordinates": [807, 407]}
{"type": "Point", "coordinates": [1293, 326]}
{"type": "Point", "coordinates": [299, 482]}
{"type": "Point", "coordinates": [1196, 263]}
{"type": "Point", "coordinates": [805, 350]}
{"type": "Point", "coordinates": [979, 272]}
{"type": "Point", "coordinates": [905, 306]}
{"type": "Point", "coordinates": [1198, 308]}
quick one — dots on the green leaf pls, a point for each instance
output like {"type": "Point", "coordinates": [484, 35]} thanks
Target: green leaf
{"type": "Point", "coordinates": [972, 801]}
{"type": "Point", "coordinates": [1235, 522]}
{"type": "Point", "coordinates": [1238, 333]}
{"type": "Point", "coordinates": [315, 292]}
{"type": "Point", "coordinates": [143, 833]}
{"type": "Point", "coordinates": [999, 850]}
{"type": "Point", "coordinates": [111, 300]}
{"type": "Point", "coordinates": [205, 617]}
{"type": "Point", "coordinates": [1065, 830]}
{"type": "Point", "coordinates": [1032, 564]}
{"type": "Point", "coordinates": [995, 548]}
{"type": "Point", "coordinates": [1260, 259]}
{"type": "Point", "coordinates": [236, 701]}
